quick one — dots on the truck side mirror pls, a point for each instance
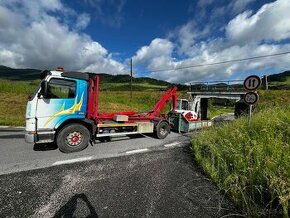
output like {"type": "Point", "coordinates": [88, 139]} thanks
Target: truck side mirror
{"type": "Point", "coordinates": [43, 89]}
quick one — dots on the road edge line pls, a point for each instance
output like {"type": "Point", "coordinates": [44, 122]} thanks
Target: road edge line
{"type": "Point", "coordinates": [174, 144]}
{"type": "Point", "coordinates": [69, 161]}
{"type": "Point", "coordinates": [137, 151]}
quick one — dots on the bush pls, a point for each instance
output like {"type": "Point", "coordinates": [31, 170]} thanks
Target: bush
{"type": "Point", "coordinates": [251, 162]}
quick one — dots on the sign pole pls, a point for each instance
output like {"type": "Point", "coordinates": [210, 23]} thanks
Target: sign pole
{"type": "Point", "coordinates": [250, 114]}
{"type": "Point", "coordinates": [251, 84]}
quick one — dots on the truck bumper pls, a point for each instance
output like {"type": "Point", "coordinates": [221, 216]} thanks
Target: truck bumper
{"type": "Point", "coordinates": [30, 137]}
{"type": "Point", "coordinates": [40, 137]}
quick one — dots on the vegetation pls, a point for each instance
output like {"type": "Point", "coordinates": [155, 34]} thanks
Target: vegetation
{"type": "Point", "coordinates": [252, 162]}
{"type": "Point", "coordinates": [279, 81]}
{"type": "Point", "coordinates": [280, 77]}
{"type": "Point", "coordinates": [218, 107]}
{"type": "Point", "coordinates": [135, 87]}
{"type": "Point", "coordinates": [14, 94]}
{"type": "Point", "coordinates": [18, 74]}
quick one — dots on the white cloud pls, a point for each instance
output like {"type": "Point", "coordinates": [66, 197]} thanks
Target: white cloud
{"type": "Point", "coordinates": [271, 22]}
{"type": "Point", "coordinates": [247, 35]}
{"type": "Point", "coordinates": [82, 21]}
{"type": "Point", "coordinates": [32, 37]}
{"type": "Point", "coordinates": [204, 3]}
{"type": "Point", "coordinates": [240, 5]}
{"type": "Point", "coordinates": [186, 38]}
{"type": "Point", "coordinates": [235, 70]}
{"type": "Point", "coordinates": [157, 54]}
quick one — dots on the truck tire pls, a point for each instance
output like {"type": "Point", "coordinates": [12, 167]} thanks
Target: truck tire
{"type": "Point", "coordinates": [162, 130]}
{"type": "Point", "coordinates": [73, 138]}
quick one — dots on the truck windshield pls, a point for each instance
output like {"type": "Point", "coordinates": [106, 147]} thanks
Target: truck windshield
{"type": "Point", "coordinates": [61, 88]}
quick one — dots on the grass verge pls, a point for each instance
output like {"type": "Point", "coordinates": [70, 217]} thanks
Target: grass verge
{"type": "Point", "coordinates": [251, 163]}
{"type": "Point", "coordinates": [13, 98]}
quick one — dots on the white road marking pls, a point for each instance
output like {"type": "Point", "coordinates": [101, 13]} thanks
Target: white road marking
{"type": "Point", "coordinates": [72, 160]}
{"type": "Point", "coordinates": [137, 151]}
{"type": "Point", "coordinates": [174, 144]}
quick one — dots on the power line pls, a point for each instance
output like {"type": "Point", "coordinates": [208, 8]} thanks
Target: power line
{"type": "Point", "coordinates": [222, 62]}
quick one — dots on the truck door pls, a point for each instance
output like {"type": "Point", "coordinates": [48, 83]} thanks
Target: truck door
{"type": "Point", "coordinates": [62, 101]}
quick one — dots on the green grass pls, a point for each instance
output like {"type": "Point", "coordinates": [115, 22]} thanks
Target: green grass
{"type": "Point", "coordinates": [251, 163]}
{"type": "Point", "coordinates": [135, 87]}
{"type": "Point", "coordinates": [12, 109]}
{"type": "Point", "coordinates": [219, 110]}
{"type": "Point", "coordinates": [13, 98]}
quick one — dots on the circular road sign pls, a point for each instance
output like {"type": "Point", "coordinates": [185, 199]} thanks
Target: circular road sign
{"type": "Point", "coordinates": [251, 83]}
{"type": "Point", "coordinates": [251, 98]}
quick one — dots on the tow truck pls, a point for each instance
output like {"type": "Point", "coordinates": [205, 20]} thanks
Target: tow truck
{"type": "Point", "coordinates": [65, 110]}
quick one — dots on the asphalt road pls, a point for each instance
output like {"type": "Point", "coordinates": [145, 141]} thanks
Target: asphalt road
{"type": "Point", "coordinates": [160, 183]}
{"type": "Point", "coordinates": [16, 155]}
{"type": "Point", "coordinates": [128, 177]}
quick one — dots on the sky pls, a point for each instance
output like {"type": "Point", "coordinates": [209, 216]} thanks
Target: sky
{"type": "Point", "coordinates": [160, 36]}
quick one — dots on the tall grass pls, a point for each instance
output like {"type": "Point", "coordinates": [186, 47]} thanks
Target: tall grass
{"type": "Point", "coordinates": [251, 162]}
{"type": "Point", "coordinates": [18, 87]}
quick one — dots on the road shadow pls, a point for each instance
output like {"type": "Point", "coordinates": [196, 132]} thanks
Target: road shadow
{"type": "Point", "coordinates": [45, 147]}
{"type": "Point", "coordinates": [70, 207]}
{"type": "Point", "coordinates": [117, 139]}
{"type": "Point", "coordinates": [137, 136]}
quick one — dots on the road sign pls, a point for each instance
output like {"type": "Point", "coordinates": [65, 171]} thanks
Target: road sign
{"type": "Point", "coordinates": [252, 83]}
{"type": "Point", "coordinates": [251, 98]}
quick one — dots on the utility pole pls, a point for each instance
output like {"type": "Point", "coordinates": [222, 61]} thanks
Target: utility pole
{"type": "Point", "coordinates": [131, 74]}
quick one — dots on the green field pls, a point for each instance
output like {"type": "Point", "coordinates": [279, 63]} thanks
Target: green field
{"type": "Point", "coordinates": [113, 97]}
{"type": "Point", "coordinates": [135, 87]}
{"type": "Point", "coordinates": [276, 84]}
{"type": "Point", "coordinates": [14, 95]}
{"type": "Point", "coordinates": [251, 162]}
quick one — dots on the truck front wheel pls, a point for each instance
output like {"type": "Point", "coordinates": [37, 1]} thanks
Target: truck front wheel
{"type": "Point", "coordinates": [162, 130]}
{"type": "Point", "coordinates": [72, 138]}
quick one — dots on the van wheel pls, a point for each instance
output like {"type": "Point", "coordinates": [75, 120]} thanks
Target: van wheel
{"type": "Point", "coordinates": [73, 138]}
{"type": "Point", "coordinates": [162, 130]}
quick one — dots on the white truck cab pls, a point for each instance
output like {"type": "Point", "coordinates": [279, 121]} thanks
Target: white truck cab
{"type": "Point", "coordinates": [187, 109]}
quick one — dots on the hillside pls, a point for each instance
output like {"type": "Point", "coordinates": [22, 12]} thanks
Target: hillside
{"type": "Point", "coordinates": [18, 74]}
{"type": "Point", "coordinates": [279, 81]}
{"type": "Point", "coordinates": [276, 81]}
{"type": "Point", "coordinates": [280, 77]}
{"type": "Point", "coordinates": [7, 73]}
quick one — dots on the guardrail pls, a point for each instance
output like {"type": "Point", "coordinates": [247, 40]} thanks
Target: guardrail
{"type": "Point", "coordinates": [230, 85]}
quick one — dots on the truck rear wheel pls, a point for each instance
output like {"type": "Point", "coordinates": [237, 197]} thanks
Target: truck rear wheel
{"type": "Point", "coordinates": [72, 138]}
{"type": "Point", "coordinates": [162, 130]}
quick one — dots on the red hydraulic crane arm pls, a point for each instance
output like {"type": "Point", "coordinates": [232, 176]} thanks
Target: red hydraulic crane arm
{"type": "Point", "coordinates": [93, 104]}
{"type": "Point", "coordinates": [169, 94]}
